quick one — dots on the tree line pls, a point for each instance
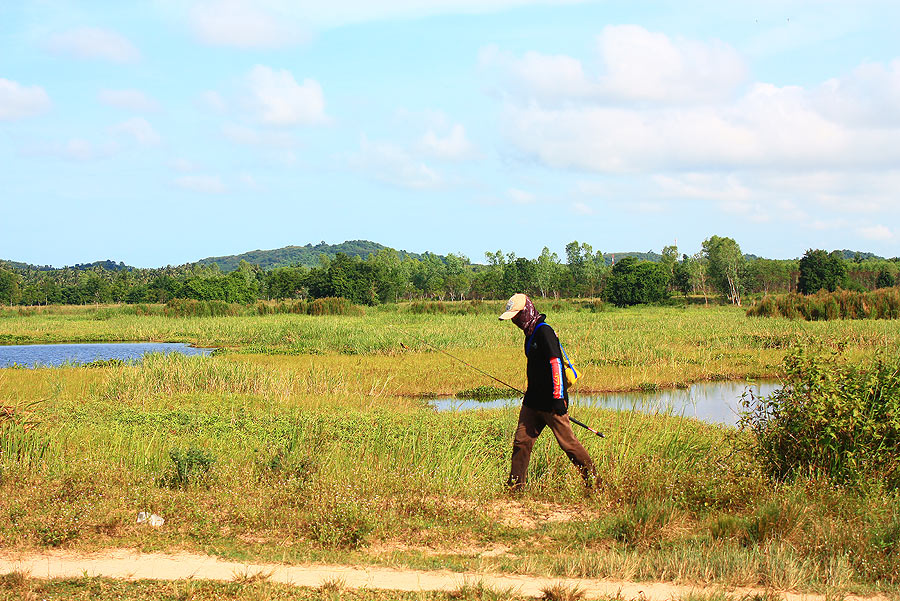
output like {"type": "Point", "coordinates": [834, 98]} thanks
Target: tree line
{"type": "Point", "coordinates": [718, 270]}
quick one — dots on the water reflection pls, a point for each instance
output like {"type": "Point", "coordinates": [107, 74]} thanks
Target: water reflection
{"type": "Point", "coordinates": [52, 355]}
{"type": "Point", "coordinates": [713, 402]}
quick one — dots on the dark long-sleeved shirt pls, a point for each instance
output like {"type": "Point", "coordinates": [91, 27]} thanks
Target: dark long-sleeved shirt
{"type": "Point", "coordinates": [546, 389]}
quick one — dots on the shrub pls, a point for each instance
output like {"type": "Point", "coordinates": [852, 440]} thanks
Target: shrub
{"type": "Point", "coordinates": [192, 466]}
{"type": "Point", "coordinates": [831, 417]}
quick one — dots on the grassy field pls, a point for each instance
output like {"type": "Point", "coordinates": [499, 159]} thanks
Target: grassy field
{"type": "Point", "coordinates": [307, 440]}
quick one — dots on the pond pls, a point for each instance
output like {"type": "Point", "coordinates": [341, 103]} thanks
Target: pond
{"type": "Point", "coordinates": [52, 355]}
{"type": "Point", "coordinates": [712, 402]}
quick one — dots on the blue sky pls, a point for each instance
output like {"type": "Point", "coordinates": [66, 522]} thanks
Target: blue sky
{"type": "Point", "coordinates": [164, 131]}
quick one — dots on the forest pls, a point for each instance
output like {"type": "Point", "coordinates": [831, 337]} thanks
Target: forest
{"type": "Point", "coordinates": [720, 271]}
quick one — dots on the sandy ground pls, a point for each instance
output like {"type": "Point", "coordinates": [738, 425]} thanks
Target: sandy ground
{"type": "Point", "coordinates": [134, 565]}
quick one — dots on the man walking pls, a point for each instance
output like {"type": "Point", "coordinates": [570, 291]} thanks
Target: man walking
{"type": "Point", "coordinates": [546, 401]}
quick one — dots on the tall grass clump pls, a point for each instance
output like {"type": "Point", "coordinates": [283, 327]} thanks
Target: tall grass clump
{"type": "Point", "coordinates": [832, 418]}
{"type": "Point", "coordinates": [19, 441]}
{"type": "Point", "coordinates": [822, 306]}
{"type": "Point", "coordinates": [472, 307]}
{"type": "Point", "coordinates": [334, 305]}
{"type": "Point", "coordinates": [181, 307]}
{"type": "Point", "coordinates": [167, 375]}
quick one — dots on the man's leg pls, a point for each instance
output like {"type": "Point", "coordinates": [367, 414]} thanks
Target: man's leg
{"type": "Point", "coordinates": [530, 426]}
{"type": "Point", "coordinates": [562, 429]}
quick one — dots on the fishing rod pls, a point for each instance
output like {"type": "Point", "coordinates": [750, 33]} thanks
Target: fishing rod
{"type": "Point", "coordinates": [481, 371]}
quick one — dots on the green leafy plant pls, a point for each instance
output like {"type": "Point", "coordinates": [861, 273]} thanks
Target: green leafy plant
{"type": "Point", "coordinates": [831, 417]}
{"type": "Point", "coordinates": [192, 466]}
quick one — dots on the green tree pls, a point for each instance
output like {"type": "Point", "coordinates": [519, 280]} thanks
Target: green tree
{"type": "Point", "coordinates": [820, 270]}
{"type": "Point", "coordinates": [546, 271]}
{"type": "Point", "coordinates": [669, 259]}
{"type": "Point", "coordinates": [633, 282]}
{"type": "Point", "coordinates": [9, 287]}
{"type": "Point", "coordinates": [885, 279]}
{"type": "Point", "coordinates": [457, 278]}
{"type": "Point", "coordinates": [726, 264]}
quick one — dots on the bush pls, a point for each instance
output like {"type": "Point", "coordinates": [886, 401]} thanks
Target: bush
{"type": "Point", "coordinates": [831, 418]}
{"type": "Point", "coordinates": [189, 467]}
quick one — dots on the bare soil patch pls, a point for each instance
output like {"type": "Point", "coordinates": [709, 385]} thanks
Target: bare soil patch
{"type": "Point", "coordinates": [129, 564]}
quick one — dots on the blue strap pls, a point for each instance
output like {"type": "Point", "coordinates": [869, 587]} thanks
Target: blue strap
{"type": "Point", "coordinates": [567, 360]}
{"type": "Point", "coordinates": [533, 332]}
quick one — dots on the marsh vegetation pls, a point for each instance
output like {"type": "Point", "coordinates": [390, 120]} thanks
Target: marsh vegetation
{"type": "Point", "coordinates": [309, 438]}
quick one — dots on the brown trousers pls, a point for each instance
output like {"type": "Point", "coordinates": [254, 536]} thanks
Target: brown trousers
{"type": "Point", "coordinates": [531, 424]}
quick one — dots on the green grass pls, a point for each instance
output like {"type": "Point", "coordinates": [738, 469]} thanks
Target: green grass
{"type": "Point", "coordinates": [623, 349]}
{"type": "Point", "coordinates": [326, 455]}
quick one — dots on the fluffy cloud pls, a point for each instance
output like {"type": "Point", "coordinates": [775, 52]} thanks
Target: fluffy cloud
{"type": "Point", "coordinates": [205, 184]}
{"type": "Point", "coordinates": [392, 164]}
{"type": "Point", "coordinates": [139, 130]}
{"type": "Point", "coordinates": [18, 101]}
{"type": "Point", "coordinates": [246, 24]}
{"type": "Point", "coordinates": [132, 100]}
{"type": "Point", "coordinates": [277, 99]}
{"type": "Point", "coordinates": [682, 112]}
{"type": "Point", "coordinates": [876, 232]}
{"type": "Point", "coordinates": [95, 43]}
{"type": "Point", "coordinates": [455, 146]}
{"type": "Point", "coordinates": [869, 96]}
{"type": "Point", "coordinates": [633, 65]}
{"type": "Point", "coordinates": [642, 65]}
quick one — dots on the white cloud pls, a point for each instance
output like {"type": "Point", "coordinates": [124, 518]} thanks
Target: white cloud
{"type": "Point", "coordinates": [520, 196]}
{"type": "Point", "coordinates": [133, 100]}
{"type": "Point", "coordinates": [394, 165]}
{"type": "Point", "coordinates": [95, 43]}
{"type": "Point", "coordinates": [246, 24]}
{"type": "Point", "coordinates": [212, 100]}
{"type": "Point", "coordinates": [256, 137]}
{"type": "Point", "coordinates": [634, 65]}
{"type": "Point", "coordinates": [74, 149]}
{"type": "Point", "coordinates": [869, 96]}
{"type": "Point", "coordinates": [659, 104]}
{"type": "Point", "coordinates": [770, 127]}
{"type": "Point", "coordinates": [18, 101]}
{"type": "Point", "coordinates": [277, 99]}
{"type": "Point", "coordinates": [139, 129]}
{"type": "Point", "coordinates": [876, 232]}
{"type": "Point", "coordinates": [582, 208]}
{"type": "Point", "coordinates": [206, 184]}
{"type": "Point", "coordinates": [704, 186]}
{"type": "Point", "coordinates": [455, 146]}
{"type": "Point", "coordinates": [183, 165]}
{"type": "Point", "coordinates": [249, 181]}
{"type": "Point", "coordinates": [547, 78]}
{"type": "Point", "coordinates": [643, 65]}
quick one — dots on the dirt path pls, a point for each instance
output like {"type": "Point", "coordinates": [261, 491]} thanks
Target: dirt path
{"type": "Point", "coordinates": [133, 565]}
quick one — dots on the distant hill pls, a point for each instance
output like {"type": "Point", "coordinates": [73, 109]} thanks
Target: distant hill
{"type": "Point", "coordinates": [850, 255]}
{"type": "Point", "coordinates": [108, 265]}
{"type": "Point", "coordinates": [307, 256]}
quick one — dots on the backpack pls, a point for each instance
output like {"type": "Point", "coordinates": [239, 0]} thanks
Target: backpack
{"type": "Point", "coordinates": [568, 368]}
